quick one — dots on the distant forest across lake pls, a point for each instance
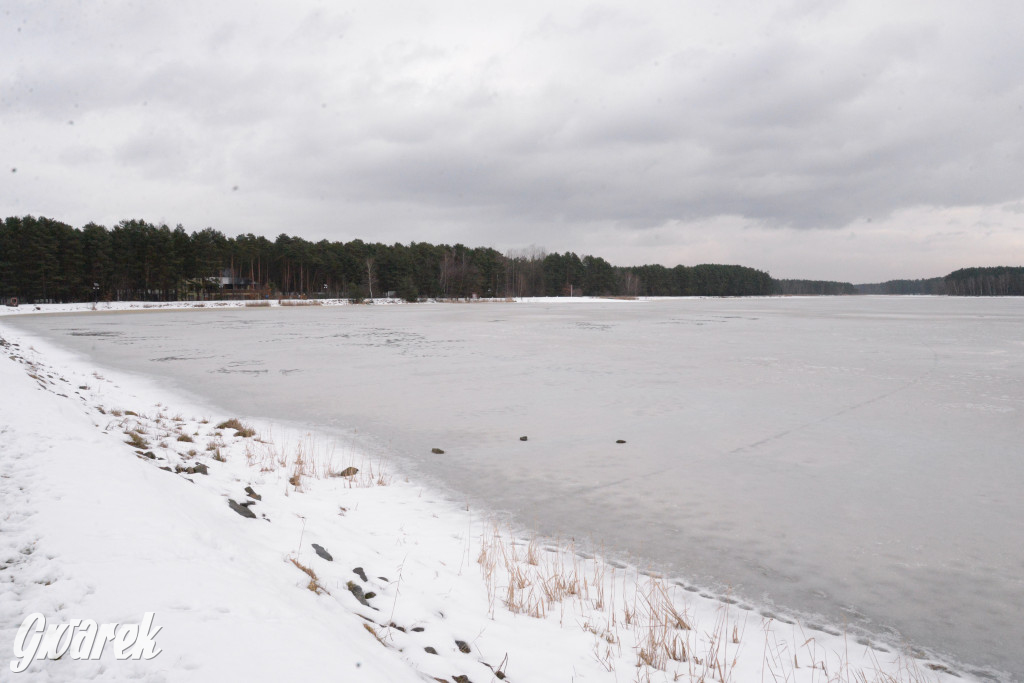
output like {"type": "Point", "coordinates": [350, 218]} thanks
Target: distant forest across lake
{"type": "Point", "coordinates": [42, 259]}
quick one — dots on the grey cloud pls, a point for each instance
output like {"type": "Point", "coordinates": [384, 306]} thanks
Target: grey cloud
{"type": "Point", "coordinates": [575, 118]}
{"type": "Point", "coordinates": [773, 139]}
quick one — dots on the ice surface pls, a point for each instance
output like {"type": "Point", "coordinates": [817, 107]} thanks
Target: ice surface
{"type": "Point", "coordinates": [857, 458]}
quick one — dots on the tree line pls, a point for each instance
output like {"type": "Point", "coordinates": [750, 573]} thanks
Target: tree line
{"type": "Point", "coordinates": [42, 259]}
{"type": "Point", "coordinates": [812, 288]}
{"type": "Point", "coordinates": [933, 285]}
{"type": "Point", "coordinates": [989, 281]}
{"type": "Point", "coordinates": [996, 281]}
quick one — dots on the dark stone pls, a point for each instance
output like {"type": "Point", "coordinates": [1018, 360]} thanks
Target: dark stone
{"type": "Point", "coordinates": [149, 454]}
{"type": "Point", "coordinates": [500, 675]}
{"type": "Point", "coordinates": [252, 494]}
{"type": "Point", "coordinates": [383, 578]}
{"type": "Point", "coordinates": [396, 626]}
{"type": "Point", "coordinates": [620, 441]}
{"type": "Point", "coordinates": [429, 650]}
{"type": "Point", "coordinates": [417, 629]}
{"type": "Point", "coordinates": [461, 678]}
{"type": "Point", "coordinates": [166, 469]}
{"type": "Point", "coordinates": [200, 468]}
{"type": "Point", "coordinates": [347, 472]}
{"type": "Point", "coordinates": [241, 509]}
{"type": "Point", "coordinates": [360, 573]}
{"type": "Point", "coordinates": [322, 552]}
{"type": "Point", "coordinates": [463, 646]}
{"type": "Point", "coordinates": [523, 438]}
{"type": "Point", "coordinates": [370, 595]}
{"type": "Point", "coordinates": [357, 591]}
{"type": "Point", "coordinates": [437, 451]}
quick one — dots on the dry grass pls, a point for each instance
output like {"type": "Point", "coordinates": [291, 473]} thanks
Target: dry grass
{"type": "Point", "coordinates": [241, 430]}
{"type": "Point", "coordinates": [308, 457]}
{"type": "Point", "coordinates": [298, 469]}
{"type": "Point", "coordinates": [376, 635]}
{"type": "Point", "coordinates": [298, 302]}
{"type": "Point", "coordinates": [185, 437]}
{"type": "Point", "coordinates": [314, 581]}
{"type": "Point", "coordinates": [136, 440]}
{"type": "Point", "coordinates": [631, 611]}
{"type": "Point", "coordinates": [660, 625]}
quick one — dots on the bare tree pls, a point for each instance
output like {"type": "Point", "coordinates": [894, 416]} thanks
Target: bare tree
{"type": "Point", "coordinates": [448, 272]}
{"type": "Point", "coordinates": [630, 283]}
{"type": "Point", "coordinates": [524, 271]}
{"type": "Point", "coordinates": [370, 274]}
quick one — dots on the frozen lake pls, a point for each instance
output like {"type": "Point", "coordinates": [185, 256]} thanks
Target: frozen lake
{"type": "Point", "coordinates": [856, 458]}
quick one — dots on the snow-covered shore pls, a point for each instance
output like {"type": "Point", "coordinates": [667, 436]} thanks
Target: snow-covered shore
{"type": "Point", "coordinates": [110, 306]}
{"type": "Point", "coordinates": [95, 528]}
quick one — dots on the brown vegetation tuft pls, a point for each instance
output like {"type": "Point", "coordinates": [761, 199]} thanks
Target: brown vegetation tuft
{"type": "Point", "coordinates": [135, 439]}
{"type": "Point", "coordinates": [314, 581]}
{"type": "Point", "coordinates": [242, 430]}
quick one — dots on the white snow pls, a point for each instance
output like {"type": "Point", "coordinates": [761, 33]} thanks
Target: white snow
{"type": "Point", "coordinates": [122, 306]}
{"type": "Point", "coordinates": [90, 529]}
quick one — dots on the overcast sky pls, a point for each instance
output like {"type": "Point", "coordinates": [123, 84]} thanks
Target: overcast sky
{"type": "Point", "coordinates": [856, 141]}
